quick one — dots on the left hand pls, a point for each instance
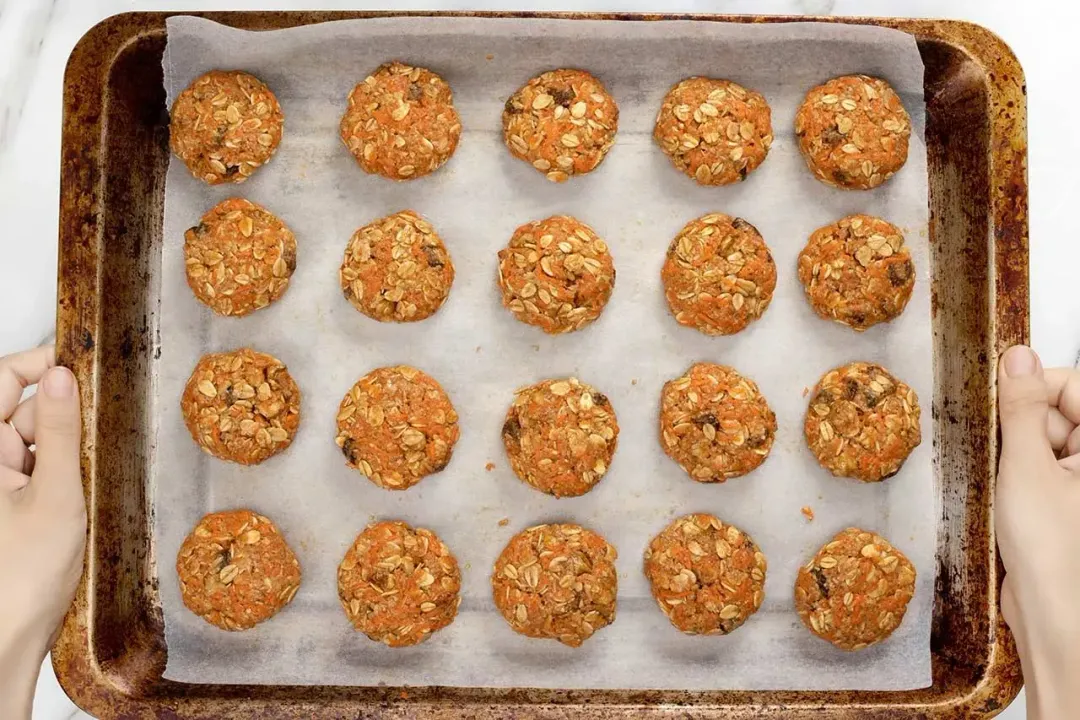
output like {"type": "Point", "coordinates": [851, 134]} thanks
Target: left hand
{"type": "Point", "coordinates": [42, 517]}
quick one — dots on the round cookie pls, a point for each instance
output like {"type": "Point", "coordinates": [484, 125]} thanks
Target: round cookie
{"type": "Point", "coordinates": [857, 271]}
{"type": "Point", "coordinates": [715, 423]}
{"type": "Point", "coordinates": [236, 570]}
{"type": "Point", "coordinates": [225, 125]}
{"type": "Point", "coordinates": [562, 123]}
{"type": "Point", "coordinates": [397, 425]}
{"type": "Point", "coordinates": [855, 591]}
{"type": "Point", "coordinates": [707, 577]}
{"type": "Point", "coordinates": [399, 584]}
{"type": "Point", "coordinates": [241, 406]}
{"type": "Point", "coordinates": [719, 275]}
{"type": "Point", "coordinates": [397, 269]}
{"type": "Point", "coordinates": [556, 274]}
{"type": "Point", "coordinates": [560, 436]}
{"type": "Point", "coordinates": [715, 131]}
{"type": "Point", "coordinates": [862, 422]}
{"type": "Point", "coordinates": [853, 132]}
{"type": "Point", "coordinates": [239, 258]}
{"type": "Point", "coordinates": [556, 581]}
{"type": "Point", "coordinates": [401, 122]}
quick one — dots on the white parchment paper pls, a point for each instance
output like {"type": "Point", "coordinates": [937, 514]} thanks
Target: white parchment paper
{"type": "Point", "coordinates": [637, 202]}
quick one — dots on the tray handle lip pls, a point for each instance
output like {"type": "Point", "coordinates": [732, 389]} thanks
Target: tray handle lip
{"type": "Point", "coordinates": [78, 317]}
{"type": "Point", "coordinates": [1003, 679]}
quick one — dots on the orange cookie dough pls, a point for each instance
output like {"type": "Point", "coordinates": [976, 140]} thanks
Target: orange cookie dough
{"type": "Point", "coordinates": [855, 591]}
{"type": "Point", "coordinates": [239, 258]}
{"type": "Point", "coordinates": [715, 131]}
{"type": "Point", "coordinates": [853, 132]}
{"type": "Point", "coordinates": [235, 570]}
{"type": "Point", "coordinates": [857, 271]}
{"type": "Point", "coordinates": [707, 577]}
{"type": "Point", "coordinates": [715, 423]}
{"type": "Point", "coordinates": [396, 426]}
{"type": "Point", "coordinates": [556, 581]}
{"type": "Point", "coordinates": [225, 125]}
{"type": "Point", "coordinates": [401, 122]}
{"type": "Point", "coordinates": [399, 584]}
{"type": "Point", "coordinates": [862, 422]}
{"type": "Point", "coordinates": [556, 274]}
{"type": "Point", "coordinates": [241, 406]}
{"type": "Point", "coordinates": [560, 436]}
{"type": "Point", "coordinates": [562, 122]}
{"type": "Point", "coordinates": [719, 275]}
{"type": "Point", "coordinates": [397, 269]}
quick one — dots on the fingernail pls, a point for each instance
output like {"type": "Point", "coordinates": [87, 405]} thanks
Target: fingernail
{"type": "Point", "coordinates": [58, 383]}
{"type": "Point", "coordinates": [1020, 361]}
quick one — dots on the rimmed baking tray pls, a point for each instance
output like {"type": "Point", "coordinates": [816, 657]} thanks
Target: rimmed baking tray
{"type": "Point", "coordinates": [111, 653]}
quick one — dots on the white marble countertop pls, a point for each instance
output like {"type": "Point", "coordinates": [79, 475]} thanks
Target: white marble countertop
{"type": "Point", "coordinates": [37, 35]}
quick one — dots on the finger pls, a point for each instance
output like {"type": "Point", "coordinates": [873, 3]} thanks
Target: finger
{"type": "Point", "coordinates": [1023, 407]}
{"type": "Point", "coordinates": [11, 481]}
{"type": "Point", "coordinates": [23, 420]}
{"type": "Point", "coordinates": [57, 432]}
{"type": "Point", "coordinates": [1072, 446]}
{"type": "Point", "coordinates": [1071, 463]}
{"type": "Point", "coordinates": [1063, 392]}
{"type": "Point", "coordinates": [19, 371]}
{"type": "Point", "coordinates": [13, 451]}
{"type": "Point", "coordinates": [1058, 428]}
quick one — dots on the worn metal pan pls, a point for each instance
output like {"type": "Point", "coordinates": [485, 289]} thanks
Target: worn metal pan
{"type": "Point", "coordinates": [111, 653]}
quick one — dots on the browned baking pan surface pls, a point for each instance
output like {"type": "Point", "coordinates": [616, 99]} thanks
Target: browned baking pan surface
{"type": "Point", "coordinates": [111, 654]}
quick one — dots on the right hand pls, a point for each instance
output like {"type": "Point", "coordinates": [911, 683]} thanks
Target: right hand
{"type": "Point", "coordinates": [1037, 514]}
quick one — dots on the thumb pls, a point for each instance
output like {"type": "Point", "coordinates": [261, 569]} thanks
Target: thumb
{"type": "Point", "coordinates": [1022, 406]}
{"type": "Point", "coordinates": [57, 434]}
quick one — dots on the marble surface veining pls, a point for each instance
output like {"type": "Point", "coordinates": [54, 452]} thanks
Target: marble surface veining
{"type": "Point", "coordinates": [37, 35]}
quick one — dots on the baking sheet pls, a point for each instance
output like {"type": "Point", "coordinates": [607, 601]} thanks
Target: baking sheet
{"type": "Point", "coordinates": [637, 202]}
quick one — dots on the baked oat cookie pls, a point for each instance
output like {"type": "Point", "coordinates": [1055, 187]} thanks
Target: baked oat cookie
{"type": "Point", "coordinates": [239, 258]}
{"type": "Point", "coordinates": [855, 591]}
{"type": "Point", "coordinates": [399, 584]}
{"type": "Point", "coordinates": [560, 436]}
{"type": "Point", "coordinates": [862, 422]}
{"type": "Point", "coordinates": [715, 423]}
{"type": "Point", "coordinates": [397, 269]}
{"type": "Point", "coordinates": [397, 425]}
{"type": "Point", "coordinates": [556, 274]}
{"type": "Point", "coordinates": [225, 125]}
{"type": "Point", "coordinates": [241, 406]}
{"type": "Point", "coordinates": [401, 122]}
{"type": "Point", "coordinates": [707, 577]}
{"type": "Point", "coordinates": [853, 132]}
{"type": "Point", "coordinates": [236, 570]}
{"type": "Point", "coordinates": [562, 122]}
{"type": "Point", "coordinates": [715, 131]}
{"type": "Point", "coordinates": [719, 275]}
{"type": "Point", "coordinates": [556, 581]}
{"type": "Point", "coordinates": [857, 271]}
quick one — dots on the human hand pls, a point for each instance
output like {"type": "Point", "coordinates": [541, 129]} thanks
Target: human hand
{"type": "Point", "coordinates": [42, 517]}
{"type": "Point", "coordinates": [1037, 514]}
